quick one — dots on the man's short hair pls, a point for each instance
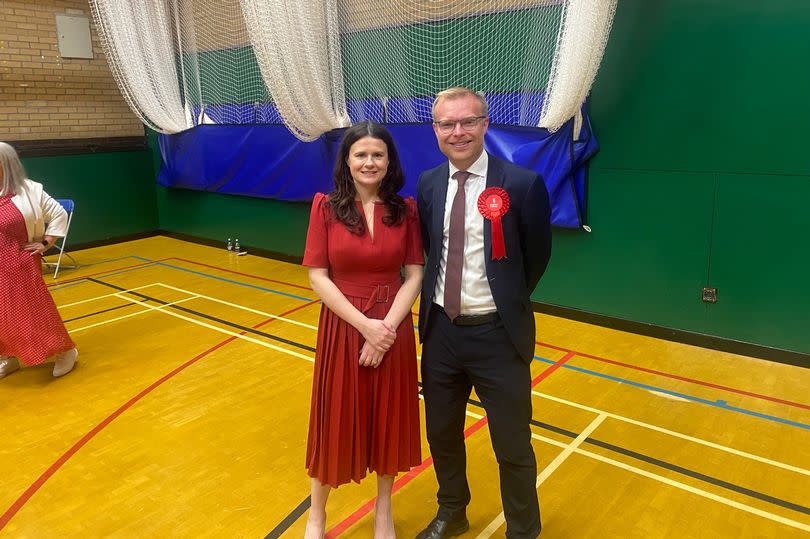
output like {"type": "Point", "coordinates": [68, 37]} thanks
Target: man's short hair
{"type": "Point", "coordinates": [457, 92]}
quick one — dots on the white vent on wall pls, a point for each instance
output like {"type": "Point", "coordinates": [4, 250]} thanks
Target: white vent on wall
{"type": "Point", "coordinates": [73, 36]}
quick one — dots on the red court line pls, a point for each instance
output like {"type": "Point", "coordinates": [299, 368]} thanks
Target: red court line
{"type": "Point", "coordinates": [113, 270]}
{"type": "Point", "coordinates": [677, 377]}
{"type": "Point", "coordinates": [53, 468]}
{"type": "Point", "coordinates": [366, 508]}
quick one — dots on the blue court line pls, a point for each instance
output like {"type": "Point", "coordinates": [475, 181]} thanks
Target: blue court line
{"type": "Point", "coordinates": [263, 289]}
{"type": "Point", "coordinates": [717, 404]}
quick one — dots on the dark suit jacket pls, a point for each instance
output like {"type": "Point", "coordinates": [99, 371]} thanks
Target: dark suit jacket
{"type": "Point", "coordinates": [527, 236]}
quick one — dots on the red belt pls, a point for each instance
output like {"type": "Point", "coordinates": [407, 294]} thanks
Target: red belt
{"type": "Point", "coordinates": [375, 293]}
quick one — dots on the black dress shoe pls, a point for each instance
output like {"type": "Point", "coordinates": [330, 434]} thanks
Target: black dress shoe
{"type": "Point", "coordinates": [438, 528]}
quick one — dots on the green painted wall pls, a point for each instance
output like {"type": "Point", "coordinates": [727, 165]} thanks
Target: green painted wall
{"type": "Point", "coordinates": [701, 110]}
{"type": "Point", "coordinates": [267, 224]}
{"type": "Point", "coordinates": [703, 175]}
{"type": "Point", "coordinates": [114, 192]}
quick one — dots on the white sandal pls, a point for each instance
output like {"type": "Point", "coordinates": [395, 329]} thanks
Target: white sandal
{"type": "Point", "coordinates": [8, 365]}
{"type": "Point", "coordinates": [65, 362]}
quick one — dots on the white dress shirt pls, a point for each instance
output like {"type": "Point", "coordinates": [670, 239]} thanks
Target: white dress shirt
{"type": "Point", "coordinates": [476, 296]}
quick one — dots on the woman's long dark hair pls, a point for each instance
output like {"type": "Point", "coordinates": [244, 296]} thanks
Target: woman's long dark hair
{"type": "Point", "coordinates": [342, 198]}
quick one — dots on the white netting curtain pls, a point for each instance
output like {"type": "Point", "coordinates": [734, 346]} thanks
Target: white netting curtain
{"type": "Point", "coordinates": [298, 50]}
{"type": "Point", "coordinates": [581, 44]}
{"type": "Point", "coordinates": [138, 40]}
{"type": "Point", "coordinates": [319, 65]}
{"type": "Point", "coordinates": [396, 48]}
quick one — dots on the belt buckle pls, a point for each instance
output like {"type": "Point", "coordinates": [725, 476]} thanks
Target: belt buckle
{"type": "Point", "coordinates": [379, 293]}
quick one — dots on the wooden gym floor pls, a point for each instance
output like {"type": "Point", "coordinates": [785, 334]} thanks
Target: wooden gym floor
{"type": "Point", "coordinates": [187, 413]}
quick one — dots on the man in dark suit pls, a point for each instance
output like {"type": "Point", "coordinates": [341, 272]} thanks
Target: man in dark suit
{"type": "Point", "coordinates": [475, 318]}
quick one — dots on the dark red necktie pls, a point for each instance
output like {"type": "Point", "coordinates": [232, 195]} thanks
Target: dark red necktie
{"type": "Point", "coordinates": [455, 250]}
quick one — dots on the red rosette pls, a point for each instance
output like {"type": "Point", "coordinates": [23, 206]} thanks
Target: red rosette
{"type": "Point", "coordinates": [493, 204]}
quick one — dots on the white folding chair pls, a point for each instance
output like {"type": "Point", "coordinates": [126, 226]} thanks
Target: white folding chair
{"type": "Point", "coordinates": [60, 242]}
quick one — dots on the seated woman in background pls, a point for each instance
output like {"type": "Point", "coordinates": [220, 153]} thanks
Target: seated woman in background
{"type": "Point", "coordinates": [31, 330]}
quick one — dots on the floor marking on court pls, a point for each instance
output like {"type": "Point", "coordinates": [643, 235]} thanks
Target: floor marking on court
{"type": "Point", "coordinates": [662, 464]}
{"type": "Point", "coordinates": [694, 490]}
{"type": "Point", "coordinates": [209, 326]}
{"type": "Point", "coordinates": [58, 285]}
{"type": "Point", "coordinates": [53, 468]}
{"type": "Point", "coordinates": [548, 345]}
{"type": "Point", "coordinates": [498, 521]}
{"type": "Point", "coordinates": [668, 396]}
{"type": "Point", "coordinates": [676, 434]}
{"type": "Point", "coordinates": [248, 285]}
{"type": "Point", "coordinates": [717, 404]}
{"type": "Point", "coordinates": [739, 489]}
{"type": "Point", "coordinates": [676, 484]}
{"type": "Point", "coordinates": [290, 519]}
{"type": "Point", "coordinates": [96, 298]}
{"type": "Point", "coordinates": [148, 308]}
{"type": "Point", "coordinates": [236, 305]}
{"type": "Point", "coordinates": [576, 353]}
{"type": "Point", "coordinates": [677, 377]}
{"type": "Point", "coordinates": [96, 313]}
{"type": "Point", "coordinates": [228, 270]}
{"type": "Point", "coordinates": [215, 319]}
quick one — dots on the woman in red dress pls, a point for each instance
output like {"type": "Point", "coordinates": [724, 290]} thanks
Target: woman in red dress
{"type": "Point", "coordinates": [31, 330]}
{"type": "Point", "coordinates": [362, 238]}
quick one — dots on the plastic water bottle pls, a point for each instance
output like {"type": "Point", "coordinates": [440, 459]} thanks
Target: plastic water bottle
{"type": "Point", "coordinates": [236, 246]}
{"type": "Point", "coordinates": [230, 244]}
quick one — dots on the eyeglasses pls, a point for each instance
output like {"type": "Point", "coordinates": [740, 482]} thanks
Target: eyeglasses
{"type": "Point", "coordinates": [467, 124]}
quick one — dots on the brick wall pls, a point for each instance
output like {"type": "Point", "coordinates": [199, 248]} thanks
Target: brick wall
{"type": "Point", "coordinates": [45, 96]}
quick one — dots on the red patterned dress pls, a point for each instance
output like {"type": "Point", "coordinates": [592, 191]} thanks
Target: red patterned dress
{"type": "Point", "coordinates": [362, 418]}
{"type": "Point", "coordinates": [30, 327]}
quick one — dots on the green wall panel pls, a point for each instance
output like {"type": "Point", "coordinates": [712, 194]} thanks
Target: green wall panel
{"type": "Point", "coordinates": [267, 224]}
{"type": "Point", "coordinates": [645, 259]}
{"type": "Point", "coordinates": [709, 85]}
{"type": "Point", "coordinates": [114, 192]}
{"type": "Point", "coordinates": [760, 260]}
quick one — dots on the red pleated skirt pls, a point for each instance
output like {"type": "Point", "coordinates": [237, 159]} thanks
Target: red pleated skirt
{"type": "Point", "coordinates": [363, 419]}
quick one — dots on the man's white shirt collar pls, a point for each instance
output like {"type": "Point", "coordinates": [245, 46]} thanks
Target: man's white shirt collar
{"type": "Point", "coordinates": [479, 168]}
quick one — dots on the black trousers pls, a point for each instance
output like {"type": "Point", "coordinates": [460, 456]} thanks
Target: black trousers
{"type": "Point", "coordinates": [454, 360]}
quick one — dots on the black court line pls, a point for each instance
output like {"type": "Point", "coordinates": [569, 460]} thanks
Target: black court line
{"type": "Point", "coordinates": [102, 311]}
{"type": "Point", "coordinates": [678, 469]}
{"type": "Point", "coordinates": [290, 519]}
{"type": "Point", "coordinates": [702, 477]}
{"type": "Point", "coordinates": [208, 316]}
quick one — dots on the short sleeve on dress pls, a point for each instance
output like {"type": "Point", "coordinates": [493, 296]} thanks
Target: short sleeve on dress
{"type": "Point", "coordinates": [316, 253]}
{"type": "Point", "coordinates": [414, 253]}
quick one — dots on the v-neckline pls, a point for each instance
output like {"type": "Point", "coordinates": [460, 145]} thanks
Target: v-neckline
{"type": "Point", "coordinates": [370, 225]}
